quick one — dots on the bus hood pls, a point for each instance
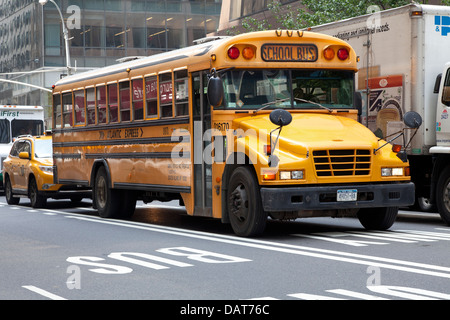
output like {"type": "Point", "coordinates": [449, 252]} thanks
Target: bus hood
{"type": "Point", "coordinates": [309, 131]}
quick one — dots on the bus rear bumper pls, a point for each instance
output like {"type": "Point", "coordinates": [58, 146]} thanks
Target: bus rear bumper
{"type": "Point", "coordinates": [326, 197]}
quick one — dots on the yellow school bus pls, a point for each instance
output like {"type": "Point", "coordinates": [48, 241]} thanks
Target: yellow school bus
{"type": "Point", "coordinates": [238, 128]}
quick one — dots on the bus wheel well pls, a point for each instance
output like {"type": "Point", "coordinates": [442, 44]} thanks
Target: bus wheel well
{"type": "Point", "coordinates": [95, 167]}
{"type": "Point", "coordinates": [234, 161]}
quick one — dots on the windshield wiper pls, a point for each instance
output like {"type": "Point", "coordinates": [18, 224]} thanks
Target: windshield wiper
{"type": "Point", "coordinates": [315, 103]}
{"type": "Point", "coordinates": [265, 105]}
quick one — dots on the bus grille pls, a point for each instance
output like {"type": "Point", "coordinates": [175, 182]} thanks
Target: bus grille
{"type": "Point", "coordinates": [349, 162]}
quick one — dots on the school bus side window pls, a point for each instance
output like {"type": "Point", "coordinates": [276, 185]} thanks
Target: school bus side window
{"type": "Point", "coordinates": [57, 111]}
{"type": "Point", "coordinates": [124, 95]}
{"type": "Point", "coordinates": [67, 109]}
{"type": "Point", "coordinates": [138, 99]}
{"type": "Point", "coordinates": [165, 94]}
{"type": "Point", "coordinates": [101, 104]}
{"type": "Point", "coordinates": [78, 97]}
{"type": "Point", "coordinates": [112, 103]}
{"type": "Point", "coordinates": [151, 94]}
{"type": "Point", "coordinates": [90, 105]}
{"type": "Point", "coordinates": [181, 93]}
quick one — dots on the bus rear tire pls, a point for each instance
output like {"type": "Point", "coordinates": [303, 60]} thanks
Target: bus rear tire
{"type": "Point", "coordinates": [245, 211]}
{"type": "Point", "coordinates": [377, 218]}
{"type": "Point", "coordinates": [107, 200]}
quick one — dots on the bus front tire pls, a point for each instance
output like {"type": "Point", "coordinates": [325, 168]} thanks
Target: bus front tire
{"type": "Point", "coordinates": [377, 218]}
{"type": "Point", "coordinates": [245, 211]}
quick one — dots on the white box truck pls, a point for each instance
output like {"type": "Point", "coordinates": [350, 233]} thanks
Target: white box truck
{"type": "Point", "coordinates": [405, 65]}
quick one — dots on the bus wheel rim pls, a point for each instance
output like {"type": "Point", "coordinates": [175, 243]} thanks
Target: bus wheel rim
{"type": "Point", "coordinates": [239, 203]}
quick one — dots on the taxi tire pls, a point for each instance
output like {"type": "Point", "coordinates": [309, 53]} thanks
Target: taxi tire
{"type": "Point", "coordinates": [10, 199]}
{"type": "Point", "coordinates": [37, 200]}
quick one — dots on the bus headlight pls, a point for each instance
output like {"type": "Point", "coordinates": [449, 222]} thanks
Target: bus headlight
{"type": "Point", "coordinates": [291, 175]}
{"type": "Point", "coordinates": [388, 172]}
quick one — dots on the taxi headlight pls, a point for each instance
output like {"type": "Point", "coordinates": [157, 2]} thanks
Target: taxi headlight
{"type": "Point", "coordinates": [46, 169]}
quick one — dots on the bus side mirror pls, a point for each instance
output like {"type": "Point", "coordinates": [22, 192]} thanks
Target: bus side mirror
{"type": "Point", "coordinates": [215, 90]}
{"type": "Point", "coordinates": [412, 119]}
{"type": "Point", "coordinates": [280, 117]}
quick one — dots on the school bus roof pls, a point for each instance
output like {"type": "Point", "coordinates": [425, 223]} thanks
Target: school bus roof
{"type": "Point", "coordinates": [182, 57]}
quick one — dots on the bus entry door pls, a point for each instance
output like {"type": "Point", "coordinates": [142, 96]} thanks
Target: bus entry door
{"type": "Point", "coordinates": [202, 146]}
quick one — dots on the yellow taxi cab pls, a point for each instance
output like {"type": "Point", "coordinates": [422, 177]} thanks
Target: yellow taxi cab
{"type": "Point", "coordinates": [28, 172]}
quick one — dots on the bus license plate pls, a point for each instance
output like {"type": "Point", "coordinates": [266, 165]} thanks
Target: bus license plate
{"type": "Point", "coordinates": [347, 195]}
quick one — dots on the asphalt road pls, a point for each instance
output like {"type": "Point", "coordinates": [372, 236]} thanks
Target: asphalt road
{"type": "Point", "coordinates": [67, 252]}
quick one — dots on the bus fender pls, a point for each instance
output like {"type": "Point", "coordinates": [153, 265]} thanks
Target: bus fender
{"type": "Point", "coordinates": [97, 164]}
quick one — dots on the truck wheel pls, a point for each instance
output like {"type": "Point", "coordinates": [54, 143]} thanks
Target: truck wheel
{"type": "Point", "coordinates": [10, 199]}
{"type": "Point", "coordinates": [107, 200]}
{"type": "Point", "coordinates": [443, 195]}
{"type": "Point", "coordinates": [377, 218]}
{"type": "Point", "coordinates": [36, 198]}
{"type": "Point", "coordinates": [245, 211]}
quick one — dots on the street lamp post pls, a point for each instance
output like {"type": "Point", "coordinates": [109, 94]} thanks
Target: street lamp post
{"type": "Point", "coordinates": [65, 32]}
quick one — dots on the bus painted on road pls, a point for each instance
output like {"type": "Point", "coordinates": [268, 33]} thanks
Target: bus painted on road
{"type": "Point", "coordinates": [238, 128]}
{"type": "Point", "coordinates": [16, 121]}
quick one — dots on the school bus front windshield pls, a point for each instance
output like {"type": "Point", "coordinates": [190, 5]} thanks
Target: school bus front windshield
{"type": "Point", "coordinates": [293, 89]}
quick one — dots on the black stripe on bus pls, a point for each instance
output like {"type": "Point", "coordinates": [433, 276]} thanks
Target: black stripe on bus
{"type": "Point", "coordinates": [152, 187]}
{"type": "Point", "coordinates": [137, 155]}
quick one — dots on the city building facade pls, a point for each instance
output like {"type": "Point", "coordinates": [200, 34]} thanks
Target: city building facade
{"type": "Point", "coordinates": [101, 32]}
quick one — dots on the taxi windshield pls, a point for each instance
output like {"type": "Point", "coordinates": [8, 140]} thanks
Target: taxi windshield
{"type": "Point", "coordinates": [43, 148]}
{"type": "Point", "coordinates": [294, 89]}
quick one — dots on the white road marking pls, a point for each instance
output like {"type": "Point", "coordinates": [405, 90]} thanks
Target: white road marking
{"type": "Point", "coordinates": [44, 293]}
{"type": "Point", "coordinates": [394, 264]}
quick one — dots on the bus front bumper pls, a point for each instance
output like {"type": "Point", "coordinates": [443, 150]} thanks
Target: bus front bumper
{"type": "Point", "coordinates": [337, 197]}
